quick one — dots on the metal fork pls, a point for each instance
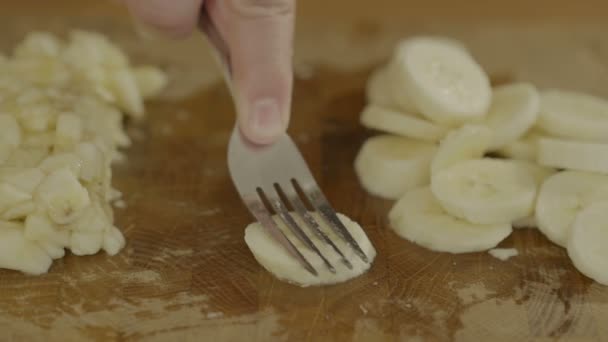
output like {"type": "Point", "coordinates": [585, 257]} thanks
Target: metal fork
{"type": "Point", "coordinates": [278, 175]}
{"type": "Point", "coordinates": [275, 174]}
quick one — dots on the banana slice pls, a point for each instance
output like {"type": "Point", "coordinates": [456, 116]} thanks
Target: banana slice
{"type": "Point", "coordinates": [513, 112]}
{"type": "Point", "coordinates": [574, 115]}
{"type": "Point", "coordinates": [274, 258]}
{"type": "Point", "coordinates": [418, 218]}
{"type": "Point", "coordinates": [465, 143]}
{"type": "Point", "coordinates": [525, 148]}
{"type": "Point", "coordinates": [19, 254]}
{"type": "Point", "coordinates": [398, 95]}
{"type": "Point", "coordinates": [63, 196]}
{"type": "Point", "coordinates": [379, 89]}
{"type": "Point", "coordinates": [445, 83]}
{"type": "Point", "coordinates": [485, 191]}
{"type": "Point", "coordinates": [573, 155]}
{"type": "Point", "coordinates": [588, 240]}
{"type": "Point", "coordinates": [540, 174]}
{"type": "Point", "coordinates": [561, 198]}
{"type": "Point", "coordinates": [391, 121]}
{"type": "Point", "coordinates": [387, 166]}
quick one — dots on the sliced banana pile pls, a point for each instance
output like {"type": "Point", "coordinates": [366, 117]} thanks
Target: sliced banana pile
{"type": "Point", "coordinates": [443, 120]}
{"type": "Point", "coordinates": [62, 105]}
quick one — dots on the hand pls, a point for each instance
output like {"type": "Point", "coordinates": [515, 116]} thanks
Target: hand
{"type": "Point", "coordinates": [257, 35]}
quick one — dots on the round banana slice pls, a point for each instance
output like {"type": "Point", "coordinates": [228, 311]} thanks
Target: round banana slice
{"type": "Point", "coordinates": [588, 240]}
{"type": "Point", "coordinates": [399, 95]}
{"type": "Point", "coordinates": [562, 196]}
{"type": "Point", "coordinates": [418, 218]}
{"type": "Point", "coordinates": [485, 191]}
{"type": "Point", "coordinates": [379, 89]}
{"type": "Point", "coordinates": [538, 172]}
{"type": "Point", "coordinates": [275, 259]}
{"type": "Point", "coordinates": [445, 83]}
{"type": "Point", "coordinates": [391, 121]}
{"type": "Point", "coordinates": [513, 112]}
{"type": "Point", "coordinates": [387, 166]}
{"type": "Point", "coordinates": [574, 115]}
{"type": "Point", "coordinates": [573, 155]}
{"type": "Point", "coordinates": [465, 143]}
{"type": "Point", "coordinates": [525, 148]}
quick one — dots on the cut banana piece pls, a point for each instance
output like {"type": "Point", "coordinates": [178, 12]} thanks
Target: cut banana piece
{"type": "Point", "coordinates": [574, 115]}
{"type": "Point", "coordinates": [61, 161]}
{"type": "Point", "coordinates": [588, 240]}
{"type": "Point", "coordinates": [68, 130]}
{"type": "Point", "coordinates": [86, 243]}
{"type": "Point", "coordinates": [40, 228]}
{"type": "Point", "coordinates": [387, 166]}
{"type": "Point", "coordinates": [562, 196]}
{"type": "Point", "coordinates": [63, 196]}
{"type": "Point", "coordinates": [513, 112]}
{"type": "Point", "coordinates": [538, 172]}
{"type": "Point", "coordinates": [525, 148]}
{"type": "Point", "coordinates": [11, 196]}
{"type": "Point", "coordinates": [378, 88]}
{"type": "Point", "coordinates": [26, 180]}
{"type": "Point", "coordinates": [392, 121]}
{"type": "Point", "coordinates": [485, 191]}
{"type": "Point", "coordinates": [19, 254]}
{"type": "Point", "coordinates": [10, 131]}
{"type": "Point", "coordinates": [573, 155]}
{"type": "Point", "coordinates": [418, 218]}
{"type": "Point", "coordinates": [113, 241]}
{"type": "Point", "coordinates": [275, 259]}
{"type": "Point", "coordinates": [19, 211]}
{"type": "Point", "coordinates": [468, 142]}
{"type": "Point", "coordinates": [445, 83]}
{"type": "Point", "coordinates": [150, 80]}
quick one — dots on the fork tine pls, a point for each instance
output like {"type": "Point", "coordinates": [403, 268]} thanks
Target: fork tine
{"type": "Point", "coordinates": [284, 214]}
{"type": "Point", "coordinates": [259, 211]}
{"type": "Point", "coordinates": [318, 200]}
{"type": "Point", "coordinates": [294, 199]}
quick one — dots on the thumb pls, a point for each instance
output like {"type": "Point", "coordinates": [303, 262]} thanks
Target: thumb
{"type": "Point", "coordinates": [258, 35]}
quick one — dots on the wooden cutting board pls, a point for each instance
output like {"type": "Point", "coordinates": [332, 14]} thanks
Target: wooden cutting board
{"type": "Point", "coordinates": [186, 274]}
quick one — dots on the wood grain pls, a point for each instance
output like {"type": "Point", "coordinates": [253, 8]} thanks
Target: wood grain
{"type": "Point", "coordinates": [186, 273]}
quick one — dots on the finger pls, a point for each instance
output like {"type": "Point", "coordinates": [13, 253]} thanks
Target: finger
{"type": "Point", "coordinates": [177, 18]}
{"type": "Point", "coordinates": [259, 36]}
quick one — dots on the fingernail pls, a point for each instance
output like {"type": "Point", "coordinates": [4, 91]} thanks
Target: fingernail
{"type": "Point", "coordinates": [265, 121]}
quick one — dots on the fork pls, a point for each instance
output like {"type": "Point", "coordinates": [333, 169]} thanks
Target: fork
{"type": "Point", "coordinates": [270, 179]}
{"type": "Point", "coordinates": [273, 178]}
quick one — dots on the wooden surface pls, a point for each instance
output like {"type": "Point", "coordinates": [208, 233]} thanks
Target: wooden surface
{"type": "Point", "coordinates": [186, 273]}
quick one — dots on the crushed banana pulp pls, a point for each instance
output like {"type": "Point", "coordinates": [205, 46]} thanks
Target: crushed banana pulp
{"type": "Point", "coordinates": [62, 104]}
